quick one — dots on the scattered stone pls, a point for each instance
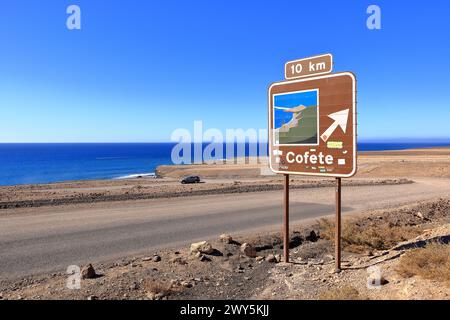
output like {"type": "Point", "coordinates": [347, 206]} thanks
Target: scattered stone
{"type": "Point", "coordinates": [156, 258]}
{"type": "Point", "coordinates": [374, 280]}
{"type": "Point", "coordinates": [333, 271]}
{"type": "Point", "coordinates": [295, 241]}
{"type": "Point", "coordinates": [205, 259]}
{"type": "Point", "coordinates": [155, 296]}
{"type": "Point", "coordinates": [202, 257]}
{"type": "Point", "coordinates": [186, 284]}
{"type": "Point", "coordinates": [300, 261]}
{"type": "Point", "coordinates": [202, 247]}
{"type": "Point", "coordinates": [147, 258]}
{"type": "Point", "coordinates": [240, 269]}
{"type": "Point", "coordinates": [284, 265]}
{"type": "Point", "coordinates": [225, 238]}
{"type": "Point", "coordinates": [273, 258]}
{"type": "Point", "coordinates": [248, 250]}
{"type": "Point", "coordinates": [315, 262]}
{"type": "Point", "coordinates": [312, 236]}
{"type": "Point", "coordinates": [420, 215]}
{"type": "Point", "coordinates": [134, 286]}
{"type": "Point", "coordinates": [174, 282]}
{"type": "Point", "coordinates": [178, 260]}
{"type": "Point", "coordinates": [88, 272]}
{"type": "Point", "coordinates": [259, 258]}
{"type": "Point", "coordinates": [92, 298]}
{"type": "Point", "coordinates": [125, 262]}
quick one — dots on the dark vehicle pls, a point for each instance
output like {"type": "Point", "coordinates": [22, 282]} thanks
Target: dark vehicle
{"type": "Point", "coordinates": [191, 179]}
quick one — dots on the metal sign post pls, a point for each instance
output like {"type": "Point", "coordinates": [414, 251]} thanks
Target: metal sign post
{"type": "Point", "coordinates": [286, 219]}
{"type": "Point", "coordinates": [337, 239]}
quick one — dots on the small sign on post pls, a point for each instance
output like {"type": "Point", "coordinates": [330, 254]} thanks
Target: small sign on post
{"type": "Point", "coordinates": [312, 129]}
{"type": "Point", "coordinates": [307, 67]}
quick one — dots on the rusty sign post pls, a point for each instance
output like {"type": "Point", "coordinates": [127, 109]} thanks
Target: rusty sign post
{"type": "Point", "coordinates": [286, 219]}
{"type": "Point", "coordinates": [312, 129]}
{"type": "Point", "coordinates": [337, 227]}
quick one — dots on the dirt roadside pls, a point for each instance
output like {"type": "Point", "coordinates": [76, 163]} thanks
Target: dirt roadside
{"type": "Point", "coordinates": [31, 196]}
{"type": "Point", "coordinates": [228, 273]}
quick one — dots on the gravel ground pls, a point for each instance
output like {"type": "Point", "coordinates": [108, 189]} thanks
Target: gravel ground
{"type": "Point", "coordinates": [228, 273]}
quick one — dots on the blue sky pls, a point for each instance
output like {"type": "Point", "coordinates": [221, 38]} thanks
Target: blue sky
{"type": "Point", "coordinates": [137, 70]}
{"type": "Point", "coordinates": [305, 98]}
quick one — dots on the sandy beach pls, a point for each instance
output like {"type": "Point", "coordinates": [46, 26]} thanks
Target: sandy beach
{"type": "Point", "coordinates": [432, 162]}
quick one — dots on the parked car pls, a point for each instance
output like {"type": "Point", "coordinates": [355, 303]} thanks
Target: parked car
{"type": "Point", "coordinates": [191, 179]}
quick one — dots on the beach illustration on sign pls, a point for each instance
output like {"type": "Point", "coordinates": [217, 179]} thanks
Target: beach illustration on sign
{"type": "Point", "coordinates": [295, 117]}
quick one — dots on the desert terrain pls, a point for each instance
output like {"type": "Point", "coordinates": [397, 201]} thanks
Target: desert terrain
{"type": "Point", "coordinates": [137, 233]}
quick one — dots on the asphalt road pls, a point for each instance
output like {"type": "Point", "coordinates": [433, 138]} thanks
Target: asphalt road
{"type": "Point", "coordinates": [50, 239]}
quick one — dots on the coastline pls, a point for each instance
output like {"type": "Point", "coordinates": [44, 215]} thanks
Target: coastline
{"type": "Point", "coordinates": [375, 168]}
{"type": "Point", "coordinates": [28, 164]}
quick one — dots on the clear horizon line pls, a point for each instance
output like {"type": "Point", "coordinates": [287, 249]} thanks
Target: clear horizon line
{"type": "Point", "coordinates": [380, 140]}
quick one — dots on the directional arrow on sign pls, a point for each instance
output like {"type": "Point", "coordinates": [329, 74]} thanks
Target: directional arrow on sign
{"type": "Point", "coordinates": [340, 120]}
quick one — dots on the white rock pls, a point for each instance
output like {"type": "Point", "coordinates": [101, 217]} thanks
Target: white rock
{"type": "Point", "coordinates": [226, 238]}
{"type": "Point", "coordinates": [202, 247]}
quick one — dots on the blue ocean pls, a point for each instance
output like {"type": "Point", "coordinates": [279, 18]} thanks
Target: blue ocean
{"type": "Point", "coordinates": [54, 162]}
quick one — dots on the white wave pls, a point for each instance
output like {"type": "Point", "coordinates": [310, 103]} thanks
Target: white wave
{"type": "Point", "coordinates": [138, 175]}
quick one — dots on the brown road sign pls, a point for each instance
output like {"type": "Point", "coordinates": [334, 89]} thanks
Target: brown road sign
{"type": "Point", "coordinates": [312, 126]}
{"type": "Point", "coordinates": [308, 66]}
